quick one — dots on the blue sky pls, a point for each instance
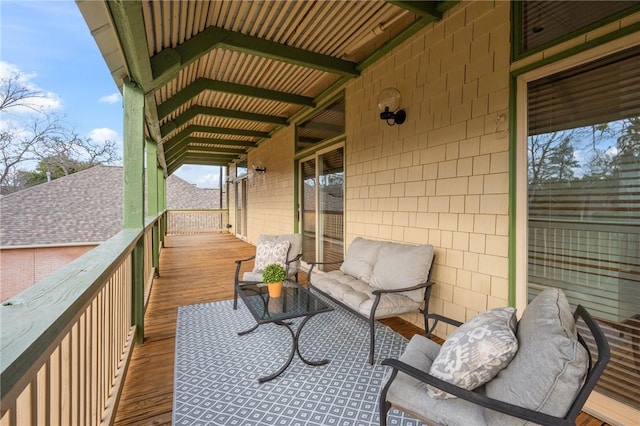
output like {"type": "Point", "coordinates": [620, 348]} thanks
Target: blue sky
{"type": "Point", "coordinates": [50, 44]}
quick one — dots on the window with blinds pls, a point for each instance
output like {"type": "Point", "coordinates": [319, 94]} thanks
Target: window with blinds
{"type": "Point", "coordinates": [584, 202]}
{"type": "Point", "coordinates": [543, 23]}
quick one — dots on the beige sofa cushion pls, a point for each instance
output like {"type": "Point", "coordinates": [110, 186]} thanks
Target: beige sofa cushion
{"type": "Point", "coordinates": [358, 295]}
{"type": "Point", "coordinates": [361, 258]}
{"type": "Point", "coordinates": [402, 265]}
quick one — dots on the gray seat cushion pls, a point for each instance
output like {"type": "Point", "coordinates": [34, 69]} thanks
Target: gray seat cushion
{"type": "Point", "coordinates": [361, 258]}
{"type": "Point", "coordinates": [358, 295]}
{"type": "Point", "coordinates": [401, 266]}
{"type": "Point", "coordinates": [412, 396]}
{"type": "Point", "coordinates": [550, 366]}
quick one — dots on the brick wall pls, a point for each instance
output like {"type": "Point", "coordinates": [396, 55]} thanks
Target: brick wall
{"type": "Point", "coordinates": [22, 267]}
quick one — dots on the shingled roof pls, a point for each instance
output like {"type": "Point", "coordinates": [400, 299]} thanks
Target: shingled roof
{"type": "Point", "coordinates": [181, 195]}
{"type": "Point", "coordinates": [84, 207]}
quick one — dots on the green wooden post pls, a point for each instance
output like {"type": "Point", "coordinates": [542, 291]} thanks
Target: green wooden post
{"type": "Point", "coordinates": [133, 210]}
{"type": "Point", "coordinates": [162, 202]}
{"type": "Point", "coordinates": [152, 200]}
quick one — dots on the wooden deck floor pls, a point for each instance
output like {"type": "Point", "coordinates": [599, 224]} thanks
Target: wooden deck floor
{"type": "Point", "coordinates": [193, 269]}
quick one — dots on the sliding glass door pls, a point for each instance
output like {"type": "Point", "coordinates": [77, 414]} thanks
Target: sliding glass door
{"type": "Point", "coordinates": [322, 206]}
{"type": "Point", "coordinates": [241, 208]}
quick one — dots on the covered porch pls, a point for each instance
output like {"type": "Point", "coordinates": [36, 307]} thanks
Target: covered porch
{"type": "Point", "coordinates": [287, 97]}
{"type": "Point", "coordinates": [193, 269]}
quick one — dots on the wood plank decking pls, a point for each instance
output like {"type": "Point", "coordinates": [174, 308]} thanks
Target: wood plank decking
{"type": "Point", "coordinates": [193, 269]}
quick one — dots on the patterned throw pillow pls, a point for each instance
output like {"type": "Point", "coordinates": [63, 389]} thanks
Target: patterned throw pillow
{"type": "Point", "coordinates": [270, 252]}
{"type": "Point", "coordinates": [476, 351]}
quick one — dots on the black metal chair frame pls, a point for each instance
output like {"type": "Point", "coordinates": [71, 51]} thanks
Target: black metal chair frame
{"type": "Point", "coordinates": [378, 294]}
{"type": "Point", "coordinates": [238, 282]}
{"type": "Point", "coordinates": [594, 373]}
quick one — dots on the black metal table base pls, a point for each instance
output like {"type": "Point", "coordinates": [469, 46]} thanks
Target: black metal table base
{"type": "Point", "coordinates": [294, 348]}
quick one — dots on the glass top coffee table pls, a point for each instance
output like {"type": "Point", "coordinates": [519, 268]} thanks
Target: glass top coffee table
{"type": "Point", "coordinates": [295, 302]}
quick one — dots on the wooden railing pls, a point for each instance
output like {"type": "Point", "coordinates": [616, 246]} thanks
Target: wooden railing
{"type": "Point", "coordinates": [66, 341]}
{"type": "Point", "coordinates": [197, 221]}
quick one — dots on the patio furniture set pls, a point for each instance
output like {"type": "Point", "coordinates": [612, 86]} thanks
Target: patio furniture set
{"type": "Point", "coordinates": [493, 370]}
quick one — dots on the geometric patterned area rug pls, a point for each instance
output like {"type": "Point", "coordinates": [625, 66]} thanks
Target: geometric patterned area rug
{"type": "Point", "coordinates": [216, 371]}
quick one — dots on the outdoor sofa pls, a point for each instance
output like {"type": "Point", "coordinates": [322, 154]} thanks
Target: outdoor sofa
{"type": "Point", "coordinates": [378, 279]}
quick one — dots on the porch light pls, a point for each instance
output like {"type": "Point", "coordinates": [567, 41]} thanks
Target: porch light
{"type": "Point", "coordinates": [259, 168]}
{"type": "Point", "coordinates": [389, 104]}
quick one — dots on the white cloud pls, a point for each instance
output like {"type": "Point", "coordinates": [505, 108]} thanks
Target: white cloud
{"type": "Point", "coordinates": [104, 134]}
{"type": "Point", "coordinates": [208, 180]}
{"type": "Point", "coordinates": [201, 176]}
{"type": "Point", "coordinates": [110, 99]}
{"type": "Point", "coordinates": [47, 101]}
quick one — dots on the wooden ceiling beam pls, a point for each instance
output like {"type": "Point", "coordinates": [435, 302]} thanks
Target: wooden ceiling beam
{"type": "Point", "coordinates": [196, 110]}
{"type": "Point", "coordinates": [168, 62]}
{"type": "Point", "coordinates": [203, 84]}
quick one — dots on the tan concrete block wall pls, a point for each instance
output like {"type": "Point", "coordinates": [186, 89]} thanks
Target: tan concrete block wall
{"type": "Point", "coordinates": [22, 267]}
{"type": "Point", "coordinates": [442, 176]}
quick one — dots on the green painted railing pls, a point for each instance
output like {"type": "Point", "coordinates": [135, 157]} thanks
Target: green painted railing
{"type": "Point", "coordinates": [66, 341]}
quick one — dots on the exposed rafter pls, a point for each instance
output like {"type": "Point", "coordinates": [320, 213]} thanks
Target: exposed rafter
{"type": "Point", "coordinates": [205, 150]}
{"type": "Point", "coordinates": [189, 130]}
{"type": "Point", "coordinates": [178, 60]}
{"type": "Point", "coordinates": [169, 61]}
{"type": "Point", "coordinates": [194, 111]}
{"type": "Point", "coordinates": [202, 84]}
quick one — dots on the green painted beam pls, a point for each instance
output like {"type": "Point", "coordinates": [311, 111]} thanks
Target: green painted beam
{"type": "Point", "coordinates": [215, 150]}
{"type": "Point", "coordinates": [196, 110]}
{"type": "Point", "coordinates": [203, 84]}
{"type": "Point", "coordinates": [428, 9]}
{"type": "Point", "coordinates": [203, 151]}
{"type": "Point", "coordinates": [129, 22]}
{"type": "Point", "coordinates": [213, 130]}
{"type": "Point", "coordinates": [226, 142]}
{"type": "Point", "coordinates": [172, 167]}
{"type": "Point", "coordinates": [166, 63]}
{"type": "Point", "coordinates": [170, 151]}
{"type": "Point", "coordinates": [208, 159]}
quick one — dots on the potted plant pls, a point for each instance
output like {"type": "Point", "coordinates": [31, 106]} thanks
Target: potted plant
{"type": "Point", "coordinates": [273, 274]}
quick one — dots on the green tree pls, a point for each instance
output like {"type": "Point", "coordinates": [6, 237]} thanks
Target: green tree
{"type": "Point", "coordinates": [54, 168]}
{"type": "Point", "coordinates": [552, 157]}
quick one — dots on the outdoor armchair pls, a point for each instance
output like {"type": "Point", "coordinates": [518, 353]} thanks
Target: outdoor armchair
{"type": "Point", "coordinates": [545, 379]}
{"type": "Point", "coordinates": [285, 249]}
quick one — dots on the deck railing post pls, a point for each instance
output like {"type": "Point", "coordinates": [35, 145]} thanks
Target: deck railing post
{"type": "Point", "coordinates": [133, 214]}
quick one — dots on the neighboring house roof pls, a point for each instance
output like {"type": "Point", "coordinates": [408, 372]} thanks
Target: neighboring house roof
{"type": "Point", "coordinates": [85, 207]}
{"type": "Point", "coordinates": [181, 195]}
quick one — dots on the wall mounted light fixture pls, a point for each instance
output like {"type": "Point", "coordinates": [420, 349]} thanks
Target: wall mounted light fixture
{"type": "Point", "coordinates": [259, 168]}
{"type": "Point", "coordinates": [389, 104]}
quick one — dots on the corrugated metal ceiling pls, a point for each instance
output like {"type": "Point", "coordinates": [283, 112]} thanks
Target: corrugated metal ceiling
{"type": "Point", "coordinates": [220, 76]}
